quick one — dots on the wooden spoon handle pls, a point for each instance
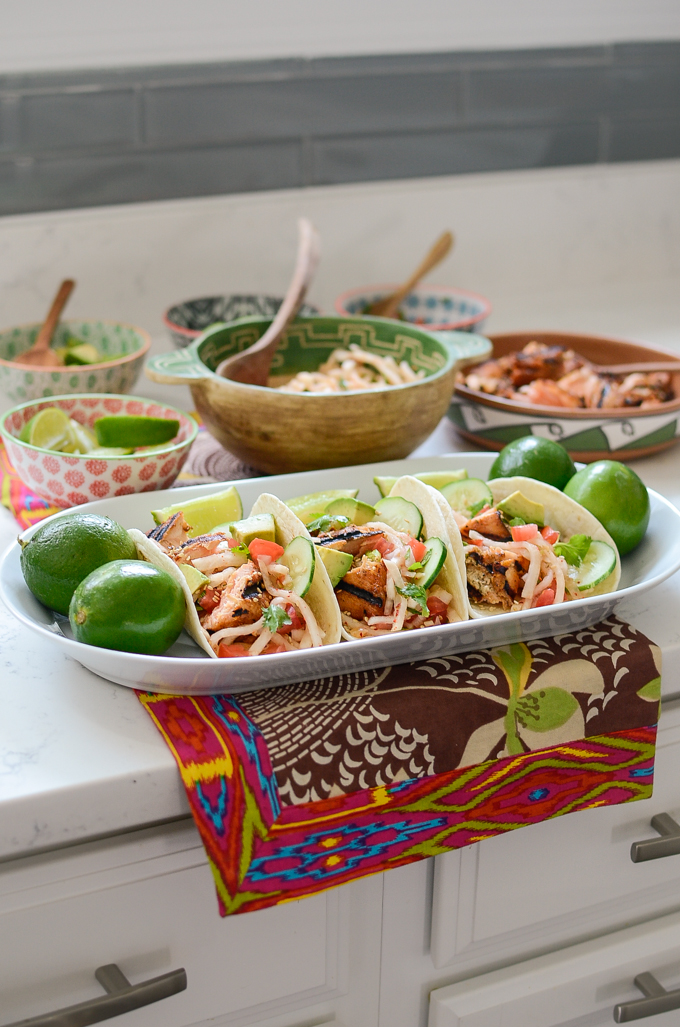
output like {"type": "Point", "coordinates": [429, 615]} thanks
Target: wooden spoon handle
{"type": "Point", "coordinates": [44, 337]}
{"type": "Point", "coordinates": [434, 257]}
{"type": "Point", "coordinates": [252, 365]}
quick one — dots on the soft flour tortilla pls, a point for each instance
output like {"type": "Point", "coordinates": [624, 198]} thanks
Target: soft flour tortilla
{"type": "Point", "coordinates": [320, 597]}
{"type": "Point", "coordinates": [561, 513]}
{"type": "Point", "coordinates": [152, 553]}
{"type": "Point", "coordinates": [439, 522]}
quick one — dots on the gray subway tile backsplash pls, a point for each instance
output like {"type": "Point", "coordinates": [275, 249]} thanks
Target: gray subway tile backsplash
{"type": "Point", "coordinates": [133, 134]}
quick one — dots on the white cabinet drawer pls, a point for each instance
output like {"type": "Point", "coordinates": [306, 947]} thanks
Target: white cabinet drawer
{"type": "Point", "coordinates": [149, 906]}
{"type": "Point", "coordinates": [575, 987]}
{"type": "Point", "coordinates": [562, 880]}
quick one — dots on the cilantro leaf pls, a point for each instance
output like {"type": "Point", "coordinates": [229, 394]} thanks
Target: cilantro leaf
{"type": "Point", "coordinates": [275, 617]}
{"type": "Point", "coordinates": [241, 549]}
{"type": "Point", "coordinates": [476, 508]}
{"type": "Point", "coordinates": [417, 593]}
{"type": "Point", "coordinates": [575, 550]}
{"type": "Point", "coordinates": [327, 522]}
{"type": "Point", "coordinates": [516, 522]}
{"type": "Point", "coordinates": [373, 554]}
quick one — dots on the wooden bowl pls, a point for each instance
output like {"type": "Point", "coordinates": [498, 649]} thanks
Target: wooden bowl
{"type": "Point", "coordinates": [624, 433]}
{"type": "Point", "coordinates": [283, 431]}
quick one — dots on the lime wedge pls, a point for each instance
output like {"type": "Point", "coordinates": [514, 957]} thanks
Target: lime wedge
{"type": "Point", "coordinates": [50, 429]}
{"type": "Point", "coordinates": [313, 504]}
{"type": "Point", "coordinates": [437, 479]}
{"type": "Point", "coordinates": [86, 353]}
{"type": "Point", "coordinates": [84, 439]}
{"type": "Point", "coordinates": [205, 512]}
{"type": "Point", "coordinates": [126, 430]}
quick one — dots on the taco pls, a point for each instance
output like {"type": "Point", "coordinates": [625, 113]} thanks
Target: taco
{"type": "Point", "coordinates": [248, 600]}
{"type": "Point", "coordinates": [396, 573]}
{"type": "Point", "coordinates": [534, 547]}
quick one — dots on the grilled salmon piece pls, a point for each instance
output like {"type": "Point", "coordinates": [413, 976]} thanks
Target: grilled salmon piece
{"type": "Point", "coordinates": [493, 576]}
{"type": "Point", "coordinates": [488, 523]}
{"type": "Point", "coordinates": [352, 539]}
{"type": "Point", "coordinates": [171, 533]}
{"type": "Point", "coordinates": [242, 601]}
{"type": "Point", "coordinates": [202, 545]}
{"type": "Point", "coordinates": [363, 590]}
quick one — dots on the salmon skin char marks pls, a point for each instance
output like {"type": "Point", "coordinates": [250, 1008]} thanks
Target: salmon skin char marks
{"type": "Point", "coordinates": [241, 602]}
{"type": "Point", "coordinates": [494, 576]}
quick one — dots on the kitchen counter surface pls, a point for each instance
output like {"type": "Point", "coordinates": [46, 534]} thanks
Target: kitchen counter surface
{"type": "Point", "coordinates": [79, 758]}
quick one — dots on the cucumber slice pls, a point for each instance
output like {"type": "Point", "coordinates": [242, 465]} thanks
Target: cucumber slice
{"type": "Point", "coordinates": [437, 479]}
{"type": "Point", "coordinates": [358, 512]}
{"type": "Point", "coordinates": [313, 504]}
{"type": "Point", "coordinates": [464, 496]}
{"type": "Point", "coordinates": [336, 563]}
{"type": "Point", "coordinates": [205, 512]}
{"type": "Point", "coordinates": [400, 514]}
{"type": "Point", "coordinates": [299, 557]}
{"type": "Point", "coordinates": [433, 561]}
{"type": "Point", "coordinates": [598, 564]}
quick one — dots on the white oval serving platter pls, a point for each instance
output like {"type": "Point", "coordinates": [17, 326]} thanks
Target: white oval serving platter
{"type": "Point", "coordinates": [185, 670]}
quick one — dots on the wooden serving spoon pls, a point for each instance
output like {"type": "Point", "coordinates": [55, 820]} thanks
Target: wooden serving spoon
{"type": "Point", "coordinates": [40, 354]}
{"type": "Point", "coordinates": [251, 367]}
{"type": "Point", "coordinates": [389, 305]}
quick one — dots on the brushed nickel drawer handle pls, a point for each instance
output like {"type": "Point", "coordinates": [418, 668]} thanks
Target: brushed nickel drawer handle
{"type": "Point", "coordinates": [121, 997]}
{"type": "Point", "coordinates": [657, 848]}
{"type": "Point", "coordinates": [657, 1000]}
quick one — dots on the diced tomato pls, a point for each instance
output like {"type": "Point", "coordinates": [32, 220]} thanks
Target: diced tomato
{"type": "Point", "coordinates": [273, 647]}
{"type": "Point", "coordinates": [417, 548]}
{"type": "Point", "coordinates": [546, 598]}
{"type": "Point", "coordinates": [261, 547]}
{"type": "Point", "coordinates": [296, 621]}
{"type": "Point", "coordinates": [550, 535]}
{"type": "Point", "coordinates": [524, 532]}
{"type": "Point", "coordinates": [234, 649]}
{"type": "Point", "coordinates": [437, 607]}
{"type": "Point", "coordinates": [233, 543]}
{"type": "Point", "coordinates": [210, 599]}
{"type": "Point", "coordinates": [382, 544]}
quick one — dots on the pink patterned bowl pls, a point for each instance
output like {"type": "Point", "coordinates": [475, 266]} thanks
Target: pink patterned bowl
{"type": "Point", "coordinates": [68, 479]}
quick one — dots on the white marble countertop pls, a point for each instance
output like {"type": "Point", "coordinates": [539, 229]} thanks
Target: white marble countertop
{"type": "Point", "coordinates": [80, 758]}
{"type": "Point", "coordinates": [593, 250]}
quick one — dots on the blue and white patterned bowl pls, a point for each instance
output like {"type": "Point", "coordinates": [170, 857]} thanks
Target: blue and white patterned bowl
{"type": "Point", "coordinates": [186, 321]}
{"type": "Point", "coordinates": [122, 346]}
{"type": "Point", "coordinates": [436, 307]}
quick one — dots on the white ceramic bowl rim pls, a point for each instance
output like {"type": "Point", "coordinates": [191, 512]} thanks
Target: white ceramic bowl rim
{"type": "Point", "coordinates": [450, 357]}
{"type": "Point", "coordinates": [50, 401]}
{"type": "Point", "coordinates": [76, 368]}
{"type": "Point", "coordinates": [384, 289]}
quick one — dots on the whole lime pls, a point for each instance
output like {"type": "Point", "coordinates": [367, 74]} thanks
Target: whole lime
{"type": "Point", "coordinates": [617, 497]}
{"type": "Point", "coordinates": [65, 550]}
{"type": "Point", "coordinates": [129, 605]}
{"type": "Point", "coordinates": [534, 457]}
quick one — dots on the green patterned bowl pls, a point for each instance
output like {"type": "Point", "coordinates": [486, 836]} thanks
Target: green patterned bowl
{"type": "Point", "coordinates": [123, 345]}
{"type": "Point", "coordinates": [281, 432]}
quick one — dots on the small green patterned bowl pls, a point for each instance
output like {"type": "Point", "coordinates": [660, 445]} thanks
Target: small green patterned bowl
{"type": "Point", "coordinates": [124, 347]}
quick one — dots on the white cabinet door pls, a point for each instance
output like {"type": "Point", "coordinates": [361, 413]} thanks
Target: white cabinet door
{"type": "Point", "coordinates": [575, 987]}
{"type": "Point", "coordinates": [560, 881]}
{"type": "Point", "coordinates": [147, 903]}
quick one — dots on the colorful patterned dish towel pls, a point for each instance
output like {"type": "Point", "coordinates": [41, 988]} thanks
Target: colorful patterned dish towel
{"type": "Point", "coordinates": [304, 787]}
